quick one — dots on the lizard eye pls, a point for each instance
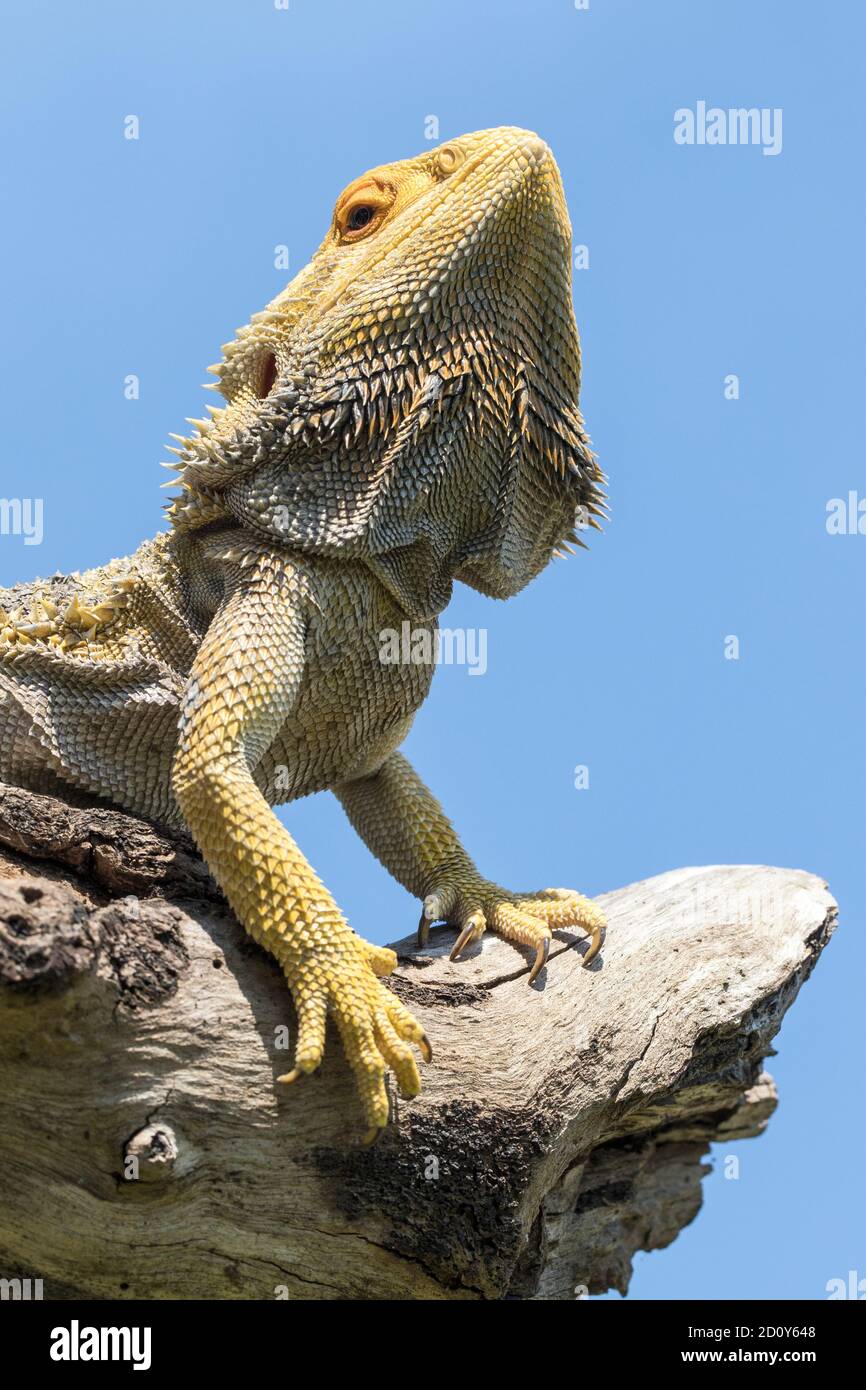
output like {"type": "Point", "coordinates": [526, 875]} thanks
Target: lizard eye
{"type": "Point", "coordinates": [267, 375]}
{"type": "Point", "coordinates": [360, 217]}
{"type": "Point", "coordinates": [361, 211]}
{"type": "Point", "coordinates": [357, 220]}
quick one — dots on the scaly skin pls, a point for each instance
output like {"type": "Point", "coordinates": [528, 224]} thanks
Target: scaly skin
{"type": "Point", "coordinates": [404, 414]}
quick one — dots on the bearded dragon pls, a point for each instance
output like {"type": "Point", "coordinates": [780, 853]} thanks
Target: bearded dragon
{"type": "Point", "coordinates": [404, 414]}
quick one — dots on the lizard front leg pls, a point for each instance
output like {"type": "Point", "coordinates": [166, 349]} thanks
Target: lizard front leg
{"type": "Point", "coordinates": [242, 688]}
{"type": "Point", "coordinates": [406, 828]}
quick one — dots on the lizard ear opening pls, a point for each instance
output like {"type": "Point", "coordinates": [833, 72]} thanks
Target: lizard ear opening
{"type": "Point", "coordinates": [267, 375]}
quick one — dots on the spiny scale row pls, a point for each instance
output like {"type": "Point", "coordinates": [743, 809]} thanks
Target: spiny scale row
{"type": "Point", "coordinates": [64, 628]}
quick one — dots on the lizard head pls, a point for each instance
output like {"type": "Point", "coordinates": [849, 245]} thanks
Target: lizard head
{"type": "Point", "coordinates": [411, 397]}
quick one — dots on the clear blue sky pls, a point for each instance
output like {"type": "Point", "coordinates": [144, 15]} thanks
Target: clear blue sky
{"type": "Point", "coordinates": [142, 257]}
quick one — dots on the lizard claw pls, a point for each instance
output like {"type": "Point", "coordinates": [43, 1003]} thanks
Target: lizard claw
{"type": "Point", "coordinates": [435, 909]}
{"type": "Point", "coordinates": [289, 1077]}
{"type": "Point", "coordinates": [461, 941]}
{"type": "Point", "coordinates": [423, 932]}
{"type": "Point", "coordinates": [472, 929]}
{"type": "Point", "coordinates": [540, 958]}
{"type": "Point", "coordinates": [596, 940]}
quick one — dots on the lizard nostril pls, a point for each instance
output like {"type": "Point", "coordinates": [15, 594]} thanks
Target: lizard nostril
{"type": "Point", "coordinates": [268, 375]}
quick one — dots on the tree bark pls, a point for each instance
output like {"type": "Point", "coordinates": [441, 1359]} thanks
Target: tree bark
{"type": "Point", "coordinates": [146, 1151]}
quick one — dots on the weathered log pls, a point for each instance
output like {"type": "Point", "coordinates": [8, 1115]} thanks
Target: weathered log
{"type": "Point", "coordinates": [147, 1151]}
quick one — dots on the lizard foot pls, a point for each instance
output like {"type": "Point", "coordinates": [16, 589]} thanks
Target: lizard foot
{"type": "Point", "coordinates": [376, 1029]}
{"type": "Point", "coordinates": [472, 904]}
